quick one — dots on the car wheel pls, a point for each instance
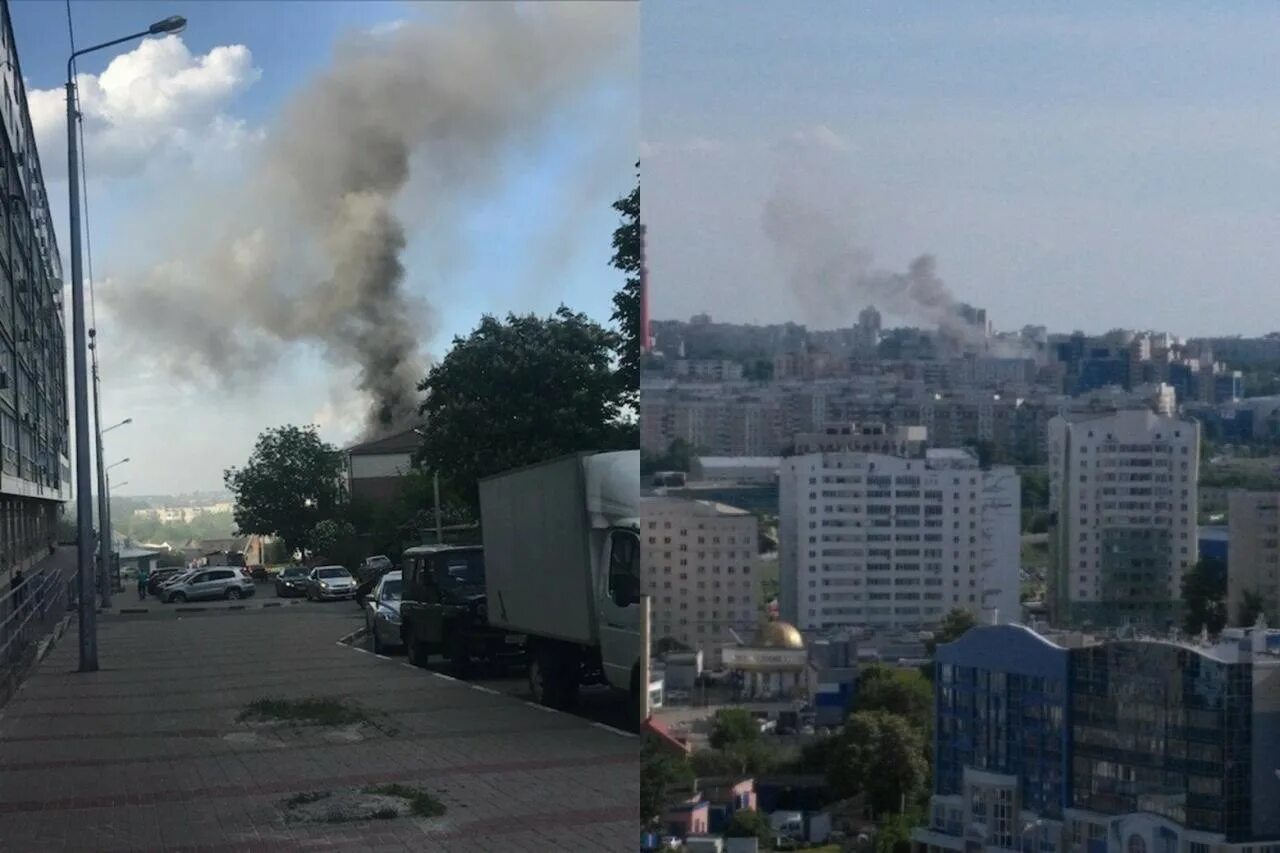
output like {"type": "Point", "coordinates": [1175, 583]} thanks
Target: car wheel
{"type": "Point", "coordinates": [416, 651]}
{"type": "Point", "coordinates": [178, 598]}
{"type": "Point", "coordinates": [233, 593]}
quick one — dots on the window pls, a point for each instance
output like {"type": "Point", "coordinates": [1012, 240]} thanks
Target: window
{"type": "Point", "coordinates": [624, 569]}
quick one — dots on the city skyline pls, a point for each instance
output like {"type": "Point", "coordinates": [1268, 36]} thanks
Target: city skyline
{"type": "Point", "coordinates": [1057, 167]}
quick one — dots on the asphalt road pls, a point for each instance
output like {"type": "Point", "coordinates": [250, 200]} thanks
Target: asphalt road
{"type": "Point", "coordinates": [596, 704]}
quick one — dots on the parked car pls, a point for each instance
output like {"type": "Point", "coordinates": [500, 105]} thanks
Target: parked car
{"type": "Point", "coordinates": [259, 573]}
{"type": "Point", "coordinates": [328, 583]}
{"type": "Point", "coordinates": [158, 577]}
{"type": "Point", "coordinates": [445, 612]}
{"type": "Point", "coordinates": [369, 572]}
{"type": "Point", "coordinates": [382, 612]}
{"type": "Point", "coordinates": [291, 581]}
{"type": "Point", "coordinates": [210, 583]}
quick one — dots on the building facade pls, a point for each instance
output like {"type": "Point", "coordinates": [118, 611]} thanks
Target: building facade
{"type": "Point", "coordinates": [1253, 566]}
{"type": "Point", "coordinates": [375, 470]}
{"type": "Point", "coordinates": [868, 540]}
{"type": "Point", "coordinates": [1135, 745]}
{"type": "Point", "coordinates": [35, 469]}
{"type": "Point", "coordinates": [1123, 508]}
{"type": "Point", "coordinates": [697, 564]}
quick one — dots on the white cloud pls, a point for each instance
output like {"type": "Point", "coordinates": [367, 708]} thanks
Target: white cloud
{"type": "Point", "coordinates": [156, 101]}
{"type": "Point", "coordinates": [823, 137]}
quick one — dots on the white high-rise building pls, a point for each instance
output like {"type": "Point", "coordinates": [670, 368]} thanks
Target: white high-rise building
{"type": "Point", "coordinates": [1122, 499]}
{"type": "Point", "coordinates": [891, 542]}
{"type": "Point", "coordinates": [697, 563]}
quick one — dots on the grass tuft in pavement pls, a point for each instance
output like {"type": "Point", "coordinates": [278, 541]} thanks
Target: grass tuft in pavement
{"type": "Point", "coordinates": [305, 798]}
{"type": "Point", "coordinates": [420, 802]}
{"type": "Point", "coordinates": [315, 711]}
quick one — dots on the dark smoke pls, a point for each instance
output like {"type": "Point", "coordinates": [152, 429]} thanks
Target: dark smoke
{"type": "Point", "coordinates": [308, 250]}
{"type": "Point", "coordinates": [833, 278]}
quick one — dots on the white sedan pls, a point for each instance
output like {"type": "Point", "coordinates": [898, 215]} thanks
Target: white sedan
{"type": "Point", "coordinates": [382, 612]}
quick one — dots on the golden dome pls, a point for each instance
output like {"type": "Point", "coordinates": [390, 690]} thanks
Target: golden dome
{"type": "Point", "coordinates": [778, 635]}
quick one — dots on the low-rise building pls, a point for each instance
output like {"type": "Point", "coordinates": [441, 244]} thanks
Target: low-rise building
{"type": "Point", "coordinates": [375, 470]}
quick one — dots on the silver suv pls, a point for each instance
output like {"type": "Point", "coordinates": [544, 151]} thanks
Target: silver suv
{"type": "Point", "coordinates": [215, 582]}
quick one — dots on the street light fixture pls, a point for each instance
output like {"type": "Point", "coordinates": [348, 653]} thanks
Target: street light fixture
{"type": "Point", "coordinates": [88, 619]}
{"type": "Point", "coordinates": [122, 423]}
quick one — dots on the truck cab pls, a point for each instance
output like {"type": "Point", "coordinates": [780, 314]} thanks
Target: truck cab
{"type": "Point", "coordinates": [443, 608]}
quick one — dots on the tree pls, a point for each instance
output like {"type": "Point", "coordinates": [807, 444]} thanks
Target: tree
{"type": "Point", "coordinates": [902, 692]}
{"type": "Point", "coordinates": [518, 392]}
{"type": "Point", "coordinates": [628, 256]}
{"type": "Point", "coordinates": [894, 834]}
{"type": "Point", "coordinates": [879, 756]}
{"type": "Point", "coordinates": [660, 774]}
{"type": "Point", "coordinates": [1204, 592]}
{"type": "Point", "coordinates": [749, 823]}
{"type": "Point", "coordinates": [289, 484]}
{"type": "Point", "coordinates": [954, 624]}
{"type": "Point", "coordinates": [1251, 606]}
{"type": "Point", "coordinates": [733, 727]}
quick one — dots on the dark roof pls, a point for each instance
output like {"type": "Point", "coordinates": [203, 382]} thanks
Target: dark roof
{"type": "Point", "coordinates": [401, 442]}
{"type": "Point", "coordinates": [214, 546]}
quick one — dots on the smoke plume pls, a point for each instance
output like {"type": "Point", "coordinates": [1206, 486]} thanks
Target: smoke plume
{"type": "Point", "coordinates": [308, 249]}
{"type": "Point", "coordinates": [833, 278]}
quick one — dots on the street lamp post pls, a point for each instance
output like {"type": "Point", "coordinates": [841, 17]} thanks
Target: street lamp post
{"type": "Point", "coordinates": [104, 509]}
{"type": "Point", "coordinates": [87, 621]}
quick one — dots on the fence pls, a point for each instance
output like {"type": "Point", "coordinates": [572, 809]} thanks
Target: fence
{"type": "Point", "coordinates": [27, 614]}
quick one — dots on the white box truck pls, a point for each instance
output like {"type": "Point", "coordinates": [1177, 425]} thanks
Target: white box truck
{"type": "Point", "coordinates": [562, 558]}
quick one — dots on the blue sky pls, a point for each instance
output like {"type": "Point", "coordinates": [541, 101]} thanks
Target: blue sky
{"type": "Point", "coordinates": [542, 237]}
{"type": "Point", "coordinates": [1111, 167]}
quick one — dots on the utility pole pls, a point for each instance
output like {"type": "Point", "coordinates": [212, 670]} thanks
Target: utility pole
{"type": "Point", "coordinates": [88, 616]}
{"type": "Point", "coordinates": [646, 610]}
{"type": "Point", "coordinates": [435, 486]}
{"type": "Point", "coordinates": [87, 622]}
{"type": "Point", "coordinates": [104, 521]}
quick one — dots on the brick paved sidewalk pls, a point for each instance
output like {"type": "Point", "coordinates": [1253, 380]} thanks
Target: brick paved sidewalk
{"type": "Point", "coordinates": [147, 754]}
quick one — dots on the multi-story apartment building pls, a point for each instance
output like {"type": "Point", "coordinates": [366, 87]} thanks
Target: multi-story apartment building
{"type": "Point", "coordinates": [1122, 492]}
{"type": "Point", "coordinates": [869, 540]}
{"type": "Point", "coordinates": [34, 454]}
{"type": "Point", "coordinates": [1125, 746]}
{"type": "Point", "coordinates": [865, 438]}
{"type": "Point", "coordinates": [1253, 567]}
{"type": "Point", "coordinates": [697, 564]}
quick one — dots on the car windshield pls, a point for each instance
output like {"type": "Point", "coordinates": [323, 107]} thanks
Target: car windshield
{"type": "Point", "coordinates": [293, 573]}
{"type": "Point", "coordinates": [391, 591]}
{"type": "Point", "coordinates": [465, 569]}
{"type": "Point", "coordinates": [332, 573]}
{"type": "Point", "coordinates": [379, 562]}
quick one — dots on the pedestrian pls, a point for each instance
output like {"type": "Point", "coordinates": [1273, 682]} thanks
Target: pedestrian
{"type": "Point", "coordinates": [144, 572]}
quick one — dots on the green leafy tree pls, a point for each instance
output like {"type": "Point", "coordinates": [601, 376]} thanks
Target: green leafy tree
{"type": "Point", "coordinates": [628, 256]}
{"type": "Point", "coordinates": [522, 391]}
{"type": "Point", "coordinates": [953, 626]}
{"type": "Point", "coordinates": [902, 692]}
{"type": "Point", "coordinates": [1204, 592]}
{"type": "Point", "coordinates": [749, 823]}
{"type": "Point", "coordinates": [733, 727]}
{"type": "Point", "coordinates": [289, 484]}
{"type": "Point", "coordinates": [661, 773]}
{"type": "Point", "coordinates": [894, 833]}
{"type": "Point", "coordinates": [880, 756]}
{"type": "Point", "coordinates": [1251, 605]}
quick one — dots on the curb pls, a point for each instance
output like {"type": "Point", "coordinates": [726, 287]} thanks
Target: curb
{"type": "Point", "coordinates": [49, 642]}
{"type": "Point", "coordinates": [128, 611]}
